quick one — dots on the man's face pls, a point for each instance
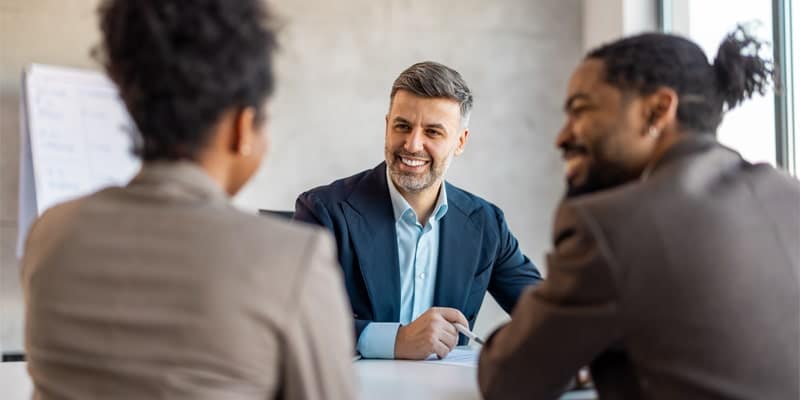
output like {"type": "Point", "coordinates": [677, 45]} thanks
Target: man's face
{"type": "Point", "coordinates": [602, 140]}
{"type": "Point", "coordinates": [422, 135]}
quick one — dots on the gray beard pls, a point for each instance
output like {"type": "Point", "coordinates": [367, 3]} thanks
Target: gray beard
{"type": "Point", "coordinates": [412, 183]}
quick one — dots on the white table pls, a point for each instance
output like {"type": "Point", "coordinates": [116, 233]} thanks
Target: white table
{"type": "Point", "coordinates": [378, 379]}
{"type": "Point", "coordinates": [15, 384]}
{"type": "Point", "coordinates": [394, 379]}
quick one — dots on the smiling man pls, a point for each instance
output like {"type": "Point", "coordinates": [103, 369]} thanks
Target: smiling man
{"type": "Point", "coordinates": [674, 269]}
{"type": "Point", "coordinates": [418, 253]}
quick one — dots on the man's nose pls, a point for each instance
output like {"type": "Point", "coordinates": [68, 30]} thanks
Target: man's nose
{"type": "Point", "coordinates": [415, 141]}
{"type": "Point", "coordinates": [565, 135]}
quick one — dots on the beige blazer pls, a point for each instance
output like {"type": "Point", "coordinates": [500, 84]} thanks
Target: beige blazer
{"type": "Point", "coordinates": [162, 290]}
{"type": "Point", "coordinates": [683, 286]}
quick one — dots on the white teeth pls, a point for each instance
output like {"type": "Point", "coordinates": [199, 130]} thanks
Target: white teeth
{"type": "Point", "coordinates": [572, 163]}
{"type": "Point", "coordinates": [412, 163]}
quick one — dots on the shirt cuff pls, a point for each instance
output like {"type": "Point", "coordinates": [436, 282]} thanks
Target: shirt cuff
{"type": "Point", "coordinates": [377, 340]}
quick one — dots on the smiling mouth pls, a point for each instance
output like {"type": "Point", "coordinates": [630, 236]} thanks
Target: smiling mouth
{"type": "Point", "coordinates": [412, 162]}
{"type": "Point", "coordinates": [574, 160]}
{"type": "Point", "coordinates": [572, 165]}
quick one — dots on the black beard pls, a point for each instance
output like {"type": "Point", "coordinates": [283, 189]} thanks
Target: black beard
{"type": "Point", "coordinates": [601, 176]}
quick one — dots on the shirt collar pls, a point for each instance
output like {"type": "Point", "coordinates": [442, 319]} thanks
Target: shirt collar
{"type": "Point", "coordinates": [400, 206]}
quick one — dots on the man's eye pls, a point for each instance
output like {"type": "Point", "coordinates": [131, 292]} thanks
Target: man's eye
{"type": "Point", "coordinates": [578, 110]}
{"type": "Point", "coordinates": [433, 132]}
{"type": "Point", "coordinates": [401, 127]}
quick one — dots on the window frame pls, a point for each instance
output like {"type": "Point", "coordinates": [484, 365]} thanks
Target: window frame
{"type": "Point", "coordinates": [785, 129]}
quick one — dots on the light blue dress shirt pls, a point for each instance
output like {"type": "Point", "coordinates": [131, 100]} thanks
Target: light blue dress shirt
{"type": "Point", "coordinates": [418, 252]}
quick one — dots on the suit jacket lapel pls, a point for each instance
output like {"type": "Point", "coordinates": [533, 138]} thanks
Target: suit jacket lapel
{"type": "Point", "coordinates": [459, 251]}
{"type": "Point", "coordinates": [370, 220]}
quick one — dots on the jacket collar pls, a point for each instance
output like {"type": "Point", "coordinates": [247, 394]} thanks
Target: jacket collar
{"type": "Point", "coordinates": [370, 219]}
{"type": "Point", "coordinates": [690, 144]}
{"type": "Point", "coordinates": [400, 205]}
{"type": "Point", "coordinates": [180, 180]}
{"type": "Point", "coordinates": [371, 196]}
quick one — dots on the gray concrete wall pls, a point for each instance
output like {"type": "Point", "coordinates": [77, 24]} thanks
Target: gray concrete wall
{"type": "Point", "coordinates": [335, 70]}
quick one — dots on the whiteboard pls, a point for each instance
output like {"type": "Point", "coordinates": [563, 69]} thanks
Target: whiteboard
{"type": "Point", "coordinates": [76, 138]}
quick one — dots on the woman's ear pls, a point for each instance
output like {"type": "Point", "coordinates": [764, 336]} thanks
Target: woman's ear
{"type": "Point", "coordinates": [244, 130]}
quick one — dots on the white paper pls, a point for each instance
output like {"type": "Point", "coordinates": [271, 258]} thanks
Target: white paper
{"type": "Point", "coordinates": [27, 194]}
{"type": "Point", "coordinates": [76, 139]}
{"type": "Point", "coordinates": [462, 356]}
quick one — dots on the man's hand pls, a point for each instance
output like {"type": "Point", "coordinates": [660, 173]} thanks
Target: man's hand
{"type": "Point", "coordinates": [432, 332]}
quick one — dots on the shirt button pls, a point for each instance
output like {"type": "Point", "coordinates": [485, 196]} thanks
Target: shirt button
{"type": "Point", "coordinates": [421, 275]}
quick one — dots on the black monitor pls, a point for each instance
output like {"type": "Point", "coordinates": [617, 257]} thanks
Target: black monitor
{"type": "Point", "coordinates": [282, 214]}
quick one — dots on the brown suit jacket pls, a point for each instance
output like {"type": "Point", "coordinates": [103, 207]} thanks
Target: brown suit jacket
{"type": "Point", "coordinates": [681, 286]}
{"type": "Point", "coordinates": [162, 290]}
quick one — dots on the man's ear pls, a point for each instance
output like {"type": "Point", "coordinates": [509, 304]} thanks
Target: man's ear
{"type": "Point", "coordinates": [462, 141]}
{"type": "Point", "coordinates": [661, 108]}
{"type": "Point", "coordinates": [244, 128]}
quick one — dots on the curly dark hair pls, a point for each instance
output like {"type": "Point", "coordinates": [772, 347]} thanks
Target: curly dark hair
{"type": "Point", "coordinates": [645, 62]}
{"type": "Point", "coordinates": [179, 65]}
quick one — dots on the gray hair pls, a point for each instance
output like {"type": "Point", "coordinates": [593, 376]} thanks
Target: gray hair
{"type": "Point", "coordinates": [431, 79]}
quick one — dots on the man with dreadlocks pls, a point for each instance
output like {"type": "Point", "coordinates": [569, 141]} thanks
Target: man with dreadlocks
{"type": "Point", "coordinates": [675, 266]}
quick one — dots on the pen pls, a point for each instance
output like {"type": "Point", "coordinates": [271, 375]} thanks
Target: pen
{"type": "Point", "coordinates": [466, 332]}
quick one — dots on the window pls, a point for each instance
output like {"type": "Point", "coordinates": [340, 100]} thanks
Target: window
{"type": "Point", "coordinates": [750, 127]}
{"type": "Point", "coordinates": [761, 129]}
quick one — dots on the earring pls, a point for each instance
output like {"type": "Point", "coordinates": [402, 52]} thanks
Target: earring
{"type": "Point", "coordinates": [245, 150]}
{"type": "Point", "coordinates": [653, 132]}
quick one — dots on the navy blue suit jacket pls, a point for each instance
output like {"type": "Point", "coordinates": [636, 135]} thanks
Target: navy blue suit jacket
{"type": "Point", "coordinates": [476, 250]}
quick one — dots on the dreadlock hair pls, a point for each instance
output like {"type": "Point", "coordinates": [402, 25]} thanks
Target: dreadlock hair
{"type": "Point", "coordinates": [646, 62]}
